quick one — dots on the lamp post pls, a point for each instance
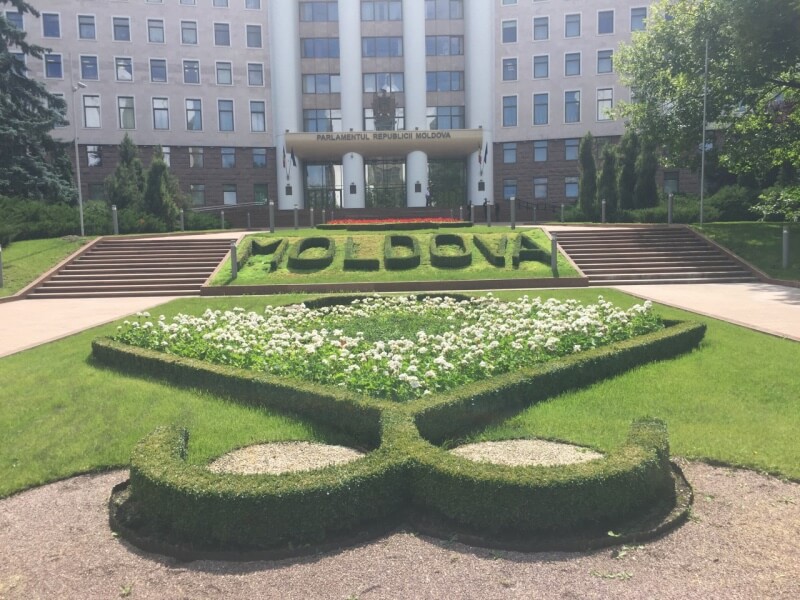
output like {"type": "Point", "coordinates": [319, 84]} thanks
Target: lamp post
{"type": "Point", "coordinates": [78, 86]}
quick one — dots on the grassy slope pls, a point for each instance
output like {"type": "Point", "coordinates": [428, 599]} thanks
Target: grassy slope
{"type": "Point", "coordinates": [25, 261]}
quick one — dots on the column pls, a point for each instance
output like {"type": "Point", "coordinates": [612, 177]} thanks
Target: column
{"type": "Point", "coordinates": [415, 96]}
{"type": "Point", "coordinates": [352, 98]}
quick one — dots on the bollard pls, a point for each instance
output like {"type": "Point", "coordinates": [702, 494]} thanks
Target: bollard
{"type": "Point", "coordinates": [182, 225]}
{"type": "Point", "coordinates": [489, 208]}
{"type": "Point", "coordinates": [296, 218]}
{"type": "Point", "coordinates": [234, 262]}
{"type": "Point", "coordinates": [460, 213]}
{"type": "Point", "coordinates": [115, 219]}
{"type": "Point", "coordinates": [332, 217]}
{"type": "Point", "coordinates": [784, 262]}
{"type": "Point", "coordinates": [603, 211]}
{"type": "Point", "coordinates": [513, 204]}
{"type": "Point", "coordinates": [554, 253]}
{"type": "Point", "coordinates": [472, 213]}
{"type": "Point", "coordinates": [1, 266]}
{"type": "Point", "coordinates": [534, 214]}
{"type": "Point", "coordinates": [311, 216]}
{"type": "Point", "coordinates": [271, 216]}
{"type": "Point", "coordinates": [222, 218]}
{"type": "Point", "coordinates": [562, 213]}
{"type": "Point", "coordinates": [323, 217]}
{"type": "Point", "coordinates": [669, 209]}
{"type": "Point", "coordinates": [248, 220]}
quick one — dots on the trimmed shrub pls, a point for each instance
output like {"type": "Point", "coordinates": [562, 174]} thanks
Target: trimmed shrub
{"type": "Point", "coordinates": [390, 258]}
{"type": "Point", "coordinates": [353, 263]}
{"type": "Point", "coordinates": [526, 249]}
{"type": "Point", "coordinates": [297, 261]}
{"type": "Point", "coordinates": [734, 203]}
{"type": "Point", "coordinates": [494, 256]}
{"type": "Point", "coordinates": [394, 226]}
{"type": "Point", "coordinates": [277, 247]}
{"type": "Point", "coordinates": [455, 261]}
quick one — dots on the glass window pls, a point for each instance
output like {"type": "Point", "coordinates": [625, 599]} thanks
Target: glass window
{"type": "Point", "coordinates": [254, 36]}
{"type": "Point", "coordinates": [166, 152]}
{"type": "Point", "coordinates": [571, 146]}
{"type": "Point", "coordinates": [91, 111]}
{"type": "Point", "coordinates": [541, 66]}
{"type": "Point", "coordinates": [319, 47]}
{"type": "Point", "coordinates": [86, 28]}
{"type": "Point", "coordinates": [122, 29]}
{"type": "Point", "coordinates": [605, 21]}
{"type": "Point", "coordinates": [508, 2]}
{"type": "Point", "coordinates": [322, 120]}
{"type": "Point", "coordinates": [540, 109]}
{"type": "Point", "coordinates": [319, 12]}
{"type": "Point", "coordinates": [259, 158]}
{"type": "Point", "coordinates": [14, 19]}
{"type": "Point", "coordinates": [381, 10]}
{"type": "Point", "coordinates": [444, 81]}
{"type": "Point", "coordinates": [229, 193]}
{"type": "Point", "coordinates": [444, 45]}
{"type": "Point", "coordinates": [444, 9]}
{"type": "Point", "coordinates": [381, 46]}
{"type": "Point", "coordinates": [123, 67]}
{"type": "Point", "coordinates": [255, 74]}
{"type": "Point", "coordinates": [509, 111]}
{"type": "Point", "coordinates": [321, 83]}
{"type": "Point", "coordinates": [638, 17]}
{"type": "Point", "coordinates": [222, 34]}
{"type": "Point", "coordinates": [540, 188]}
{"type": "Point", "coordinates": [194, 115]}
{"type": "Point", "coordinates": [228, 157]}
{"type": "Point", "coordinates": [158, 70]}
{"type": "Point", "coordinates": [224, 73]}
{"type": "Point", "coordinates": [445, 117]}
{"type": "Point", "coordinates": [260, 193]}
{"type": "Point", "coordinates": [94, 157]}
{"type": "Point", "coordinates": [160, 113]}
{"type": "Point", "coordinates": [52, 66]}
{"type": "Point", "coordinates": [540, 151]}
{"type": "Point", "coordinates": [225, 110]}
{"type": "Point", "coordinates": [605, 61]}
{"type": "Point", "coordinates": [605, 102]}
{"type": "Point", "coordinates": [509, 69]}
{"type": "Point", "coordinates": [509, 153]}
{"type": "Point", "coordinates": [89, 67]}
{"type": "Point", "coordinates": [221, 3]}
{"type": "Point", "coordinates": [195, 157]}
{"type": "Point", "coordinates": [389, 82]}
{"type": "Point", "coordinates": [258, 115]}
{"type": "Point", "coordinates": [572, 107]}
{"type": "Point", "coordinates": [51, 25]}
{"type": "Point", "coordinates": [509, 188]}
{"type": "Point", "coordinates": [189, 2]}
{"type": "Point", "coordinates": [155, 31]}
{"type": "Point", "coordinates": [572, 63]}
{"type": "Point", "coordinates": [127, 116]}
{"type": "Point", "coordinates": [188, 32]}
{"type": "Point", "coordinates": [197, 191]}
{"type": "Point", "coordinates": [571, 187]}
{"type": "Point", "coordinates": [191, 71]}
{"type": "Point", "coordinates": [541, 28]}
{"type": "Point", "coordinates": [369, 119]}
{"type": "Point", "coordinates": [572, 26]}
{"type": "Point", "coordinates": [252, 4]}
{"type": "Point", "coordinates": [509, 32]}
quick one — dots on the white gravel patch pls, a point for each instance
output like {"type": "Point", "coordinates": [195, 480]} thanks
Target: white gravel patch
{"type": "Point", "coordinates": [283, 457]}
{"type": "Point", "coordinates": [526, 452]}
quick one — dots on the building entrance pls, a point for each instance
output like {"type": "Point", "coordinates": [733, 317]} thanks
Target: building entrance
{"type": "Point", "coordinates": [385, 183]}
{"type": "Point", "coordinates": [323, 186]}
{"type": "Point", "coordinates": [447, 183]}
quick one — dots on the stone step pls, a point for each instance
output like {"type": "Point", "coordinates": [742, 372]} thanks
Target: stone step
{"type": "Point", "coordinates": [684, 268]}
{"type": "Point", "coordinates": [119, 287]}
{"type": "Point", "coordinates": [667, 280]}
{"type": "Point", "coordinates": [133, 271]}
{"type": "Point", "coordinates": [703, 275]}
{"type": "Point", "coordinates": [45, 295]}
{"type": "Point", "coordinates": [61, 280]}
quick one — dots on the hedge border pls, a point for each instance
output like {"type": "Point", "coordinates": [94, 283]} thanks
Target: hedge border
{"type": "Point", "coordinates": [496, 258]}
{"type": "Point", "coordinates": [353, 263]}
{"type": "Point", "coordinates": [394, 226]}
{"type": "Point", "coordinates": [296, 260]}
{"type": "Point", "coordinates": [458, 261]}
{"type": "Point", "coordinates": [276, 247]}
{"type": "Point", "coordinates": [392, 262]}
{"type": "Point", "coordinates": [524, 249]}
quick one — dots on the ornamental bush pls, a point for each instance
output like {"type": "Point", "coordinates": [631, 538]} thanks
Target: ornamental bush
{"type": "Point", "coordinates": [495, 256]}
{"type": "Point", "coordinates": [394, 259]}
{"type": "Point", "coordinates": [355, 263]}
{"type": "Point", "coordinates": [298, 261]}
{"type": "Point", "coordinates": [463, 258]}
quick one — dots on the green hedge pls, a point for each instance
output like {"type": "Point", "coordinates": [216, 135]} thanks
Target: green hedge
{"type": "Point", "coordinates": [526, 249]}
{"type": "Point", "coordinates": [296, 260]}
{"type": "Point", "coordinates": [353, 263]}
{"type": "Point", "coordinates": [457, 261]}
{"type": "Point", "coordinates": [391, 261]}
{"type": "Point", "coordinates": [494, 256]}
{"type": "Point", "coordinates": [276, 247]}
{"type": "Point", "coordinates": [394, 226]}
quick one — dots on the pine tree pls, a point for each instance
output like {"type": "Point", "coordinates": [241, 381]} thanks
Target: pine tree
{"type": "Point", "coordinates": [32, 164]}
{"type": "Point", "coordinates": [587, 185]}
{"type": "Point", "coordinates": [160, 190]}
{"type": "Point", "coordinates": [125, 186]}
{"type": "Point", "coordinates": [645, 192]}
{"type": "Point", "coordinates": [607, 183]}
{"type": "Point", "coordinates": [626, 178]}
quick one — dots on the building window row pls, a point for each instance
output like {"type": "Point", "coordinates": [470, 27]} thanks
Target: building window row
{"type": "Point", "coordinates": [444, 81]}
{"type": "Point", "coordinates": [381, 46]}
{"type": "Point", "coordinates": [381, 10]}
{"type": "Point", "coordinates": [444, 45]}
{"type": "Point", "coordinates": [319, 12]}
{"type": "Point", "coordinates": [572, 25]}
{"type": "Point", "coordinates": [572, 65]}
{"type": "Point", "coordinates": [572, 106]}
{"type": "Point", "coordinates": [541, 150]}
{"type": "Point", "coordinates": [444, 10]}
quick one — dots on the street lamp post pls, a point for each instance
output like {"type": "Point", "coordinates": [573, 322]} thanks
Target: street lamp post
{"type": "Point", "coordinates": [78, 86]}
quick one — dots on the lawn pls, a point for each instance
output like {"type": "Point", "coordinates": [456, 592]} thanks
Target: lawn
{"type": "Point", "coordinates": [760, 244]}
{"type": "Point", "coordinates": [24, 261]}
{"type": "Point", "coordinates": [370, 245]}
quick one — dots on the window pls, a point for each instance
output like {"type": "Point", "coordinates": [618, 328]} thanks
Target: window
{"type": "Point", "coordinates": [571, 148]}
{"type": "Point", "coordinates": [222, 34]}
{"type": "Point", "coordinates": [252, 4]}
{"type": "Point", "coordinates": [605, 102]}
{"type": "Point", "coordinates": [94, 158]}
{"type": "Point", "coordinates": [225, 114]}
{"type": "Point", "coordinates": [229, 193]}
{"type": "Point", "coordinates": [258, 115]}
{"type": "Point", "coordinates": [91, 111]}
{"type": "Point", "coordinates": [509, 111]}
{"type": "Point", "coordinates": [605, 21]}
{"type": "Point", "coordinates": [381, 10]}
{"type": "Point", "coordinates": [541, 66]}
{"type": "Point", "coordinates": [160, 113]}
{"type": "Point", "coordinates": [254, 36]}
{"type": "Point", "coordinates": [197, 191]}
{"type": "Point", "coordinates": [444, 9]}
{"type": "Point", "coordinates": [228, 157]}
{"type": "Point", "coordinates": [86, 28]}
{"type": "Point", "coordinates": [605, 61]}
{"type": "Point", "coordinates": [319, 47]}
{"type": "Point", "coordinates": [369, 119]}
{"type": "Point", "coordinates": [322, 120]}
{"type": "Point", "coordinates": [541, 28]}
{"type": "Point", "coordinates": [445, 117]}
{"type": "Point", "coordinates": [166, 153]}
{"type": "Point", "coordinates": [540, 188]}
{"type": "Point", "coordinates": [122, 29]}
{"type": "Point", "coordinates": [259, 158]}
{"type": "Point", "coordinates": [224, 73]}
{"type": "Point", "coordinates": [126, 113]}
{"type": "Point", "coordinates": [220, 3]}
{"type": "Point", "coordinates": [89, 67]}
{"type": "Point", "coordinates": [155, 31]}
{"type": "Point", "coordinates": [97, 191]}
{"type": "Point", "coordinates": [14, 19]}
{"type": "Point", "coordinates": [572, 107]}
{"type": "Point", "coordinates": [540, 151]}
{"type": "Point", "coordinates": [195, 157]}
{"type": "Point", "coordinates": [51, 25]}
{"type": "Point", "coordinates": [509, 153]}
{"type": "Point", "coordinates": [638, 16]}
{"type": "Point", "coordinates": [671, 182]}
{"type": "Point", "coordinates": [509, 188]}
{"type": "Point", "coordinates": [123, 67]}
{"type": "Point", "coordinates": [509, 32]}
{"type": "Point", "coordinates": [319, 12]}
{"type": "Point", "coordinates": [381, 46]}
{"type": "Point", "coordinates": [189, 2]}
{"type": "Point", "coordinates": [444, 81]}
{"type": "Point", "coordinates": [52, 66]}
{"type": "Point", "coordinates": [541, 109]}
{"type": "Point", "coordinates": [255, 74]}
{"type": "Point", "coordinates": [572, 63]}
{"type": "Point", "coordinates": [389, 82]}
{"type": "Point", "coordinates": [321, 83]}
{"type": "Point", "coordinates": [158, 70]}
{"type": "Point", "coordinates": [509, 2]}
{"type": "Point", "coordinates": [188, 32]}
{"type": "Point", "coordinates": [194, 115]}
{"type": "Point", "coordinates": [444, 45]}
{"type": "Point", "coordinates": [191, 71]}
{"type": "Point", "coordinates": [260, 193]}
{"type": "Point", "coordinates": [571, 187]}
{"type": "Point", "coordinates": [572, 26]}
{"type": "Point", "coordinates": [509, 69]}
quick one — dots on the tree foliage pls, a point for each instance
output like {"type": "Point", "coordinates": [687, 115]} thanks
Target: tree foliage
{"type": "Point", "coordinates": [607, 182]}
{"type": "Point", "coordinates": [645, 191]}
{"type": "Point", "coordinates": [626, 178]}
{"type": "Point", "coordinates": [125, 186]}
{"type": "Point", "coordinates": [587, 185]}
{"type": "Point", "coordinates": [32, 164]}
{"type": "Point", "coordinates": [160, 191]}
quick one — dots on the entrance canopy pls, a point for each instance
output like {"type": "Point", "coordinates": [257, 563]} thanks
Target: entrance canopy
{"type": "Point", "coordinates": [331, 146]}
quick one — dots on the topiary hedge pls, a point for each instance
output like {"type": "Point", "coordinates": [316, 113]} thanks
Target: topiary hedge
{"type": "Point", "coordinates": [495, 256]}
{"type": "Point", "coordinates": [394, 226]}
{"type": "Point", "coordinates": [277, 247]}
{"type": "Point", "coordinates": [297, 261]}
{"type": "Point", "coordinates": [456, 261]}
{"type": "Point", "coordinates": [526, 249]}
{"type": "Point", "coordinates": [392, 260]}
{"type": "Point", "coordinates": [354, 263]}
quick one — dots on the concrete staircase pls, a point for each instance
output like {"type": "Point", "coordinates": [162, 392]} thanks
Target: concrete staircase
{"type": "Point", "coordinates": [649, 255]}
{"type": "Point", "coordinates": [136, 267]}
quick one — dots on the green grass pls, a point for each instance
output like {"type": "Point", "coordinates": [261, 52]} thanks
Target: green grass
{"type": "Point", "coordinates": [370, 245]}
{"type": "Point", "coordinates": [760, 244]}
{"type": "Point", "coordinates": [734, 400]}
{"type": "Point", "coordinates": [24, 261]}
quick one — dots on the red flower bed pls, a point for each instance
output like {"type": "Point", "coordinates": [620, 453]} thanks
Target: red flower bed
{"type": "Point", "coordinates": [389, 220]}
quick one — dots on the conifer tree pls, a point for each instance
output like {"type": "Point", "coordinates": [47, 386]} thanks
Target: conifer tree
{"type": "Point", "coordinates": [160, 191]}
{"type": "Point", "coordinates": [607, 183]}
{"type": "Point", "coordinates": [645, 192]}
{"type": "Point", "coordinates": [587, 185]}
{"type": "Point", "coordinates": [626, 178]}
{"type": "Point", "coordinates": [125, 186]}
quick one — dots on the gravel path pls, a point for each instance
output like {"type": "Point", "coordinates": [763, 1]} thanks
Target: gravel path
{"type": "Point", "coordinates": [743, 542]}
